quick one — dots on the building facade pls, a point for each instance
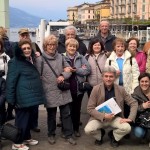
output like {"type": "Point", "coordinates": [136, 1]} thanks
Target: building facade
{"type": "Point", "coordinates": [135, 9]}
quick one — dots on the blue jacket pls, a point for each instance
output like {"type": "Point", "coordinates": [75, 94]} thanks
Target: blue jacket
{"type": "Point", "coordinates": [23, 83]}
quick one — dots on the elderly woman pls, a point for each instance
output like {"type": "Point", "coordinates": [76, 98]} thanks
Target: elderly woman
{"type": "Point", "coordinates": [24, 91]}
{"type": "Point", "coordinates": [140, 56]}
{"type": "Point", "coordinates": [54, 96]}
{"type": "Point", "coordinates": [126, 67]}
{"type": "Point", "coordinates": [80, 68]}
{"type": "Point", "coordinates": [96, 58]}
{"type": "Point", "coordinates": [142, 95]}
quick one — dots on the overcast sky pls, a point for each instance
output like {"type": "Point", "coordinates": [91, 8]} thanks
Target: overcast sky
{"type": "Point", "coordinates": [47, 9]}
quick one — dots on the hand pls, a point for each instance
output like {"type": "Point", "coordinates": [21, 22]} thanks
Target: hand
{"type": "Point", "coordinates": [60, 79]}
{"type": "Point", "coordinates": [146, 105]}
{"type": "Point", "coordinates": [125, 120]}
{"type": "Point", "coordinates": [67, 69]}
{"type": "Point", "coordinates": [109, 117]}
{"type": "Point", "coordinates": [118, 72]}
{"type": "Point", "coordinates": [37, 54]}
{"type": "Point", "coordinates": [73, 69]}
{"type": "Point", "coordinates": [84, 67]}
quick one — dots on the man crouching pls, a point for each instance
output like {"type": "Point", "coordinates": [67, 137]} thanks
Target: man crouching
{"type": "Point", "coordinates": [101, 93]}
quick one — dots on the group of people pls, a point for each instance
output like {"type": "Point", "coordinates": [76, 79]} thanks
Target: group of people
{"type": "Point", "coordinates": [111, 66]}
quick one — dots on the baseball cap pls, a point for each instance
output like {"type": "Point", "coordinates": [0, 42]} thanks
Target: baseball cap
{"type": "Point", "coordinates": [23, 30]}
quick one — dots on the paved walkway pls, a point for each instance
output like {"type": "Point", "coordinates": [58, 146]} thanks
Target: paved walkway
{"type": "Point", "coordinates": [83, 143]}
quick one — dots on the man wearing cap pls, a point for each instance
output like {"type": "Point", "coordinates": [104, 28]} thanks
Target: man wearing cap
{"type": "Point", "coordinates": [24, 34]}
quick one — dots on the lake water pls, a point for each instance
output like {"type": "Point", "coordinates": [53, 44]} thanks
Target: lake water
{"type": "Point", "coordinates": [13, 36]}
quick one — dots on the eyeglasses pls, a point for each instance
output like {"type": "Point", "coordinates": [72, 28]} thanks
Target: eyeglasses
{"type": "Point", "coordinates": [24, 48]}
{"type": "Point", "coordinates": [51, 45]}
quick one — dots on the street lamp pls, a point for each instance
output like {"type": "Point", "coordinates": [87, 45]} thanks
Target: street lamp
{"type": "Point", "coordinates": [73, 17]}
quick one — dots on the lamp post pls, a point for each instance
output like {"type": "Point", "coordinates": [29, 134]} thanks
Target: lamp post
{"type": "Point", "coordinates": [73, 17]}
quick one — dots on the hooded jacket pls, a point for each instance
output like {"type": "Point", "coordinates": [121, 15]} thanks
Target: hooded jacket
{"type": "Point", "coordinates": [61, 45]}
{"type": "Point", "coordinates": [23, 83]}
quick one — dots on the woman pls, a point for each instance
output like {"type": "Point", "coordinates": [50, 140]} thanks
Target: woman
{"type": "Point", "coordinates": [24, 91]}
{"type": "Point", "coordinates": [126, 67]}
{"type": "Point", "coordinates": [96, 58]}
{"type": "Point", "coordinates": [146, 50]}
{"type": "Point", "coordinates": [140, 56]}
{"type": "Point", "coordinates": [142, 95]}
{"type": "Point", "coordinates": [80, 68]}
{"type": "Point", "coordinates": [54, 96]}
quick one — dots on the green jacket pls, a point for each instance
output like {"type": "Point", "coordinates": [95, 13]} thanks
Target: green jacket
{"type": "Point", "coordinates": [23, 83]}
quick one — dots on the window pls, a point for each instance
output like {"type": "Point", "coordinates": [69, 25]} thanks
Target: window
{"type": "Point", "coordinates": [88, 16]}
{"type": "Point", "coordinates": [88, 11]}
{"type": "Point", "coordinates": [143, 8]}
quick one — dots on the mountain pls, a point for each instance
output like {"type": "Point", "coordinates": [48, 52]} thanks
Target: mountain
{"type": "Point", "coordinates": [19, 18]}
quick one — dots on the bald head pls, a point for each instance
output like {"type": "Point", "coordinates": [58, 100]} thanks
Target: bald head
{"type": "Point", "coordinates": [104, 27]}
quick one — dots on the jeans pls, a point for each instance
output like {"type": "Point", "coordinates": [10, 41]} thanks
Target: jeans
{"type": "Point", "coordinates": [139, 132]}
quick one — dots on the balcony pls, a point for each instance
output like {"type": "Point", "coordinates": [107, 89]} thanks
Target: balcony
{"type": "Point", "coordinates": [134, 1]}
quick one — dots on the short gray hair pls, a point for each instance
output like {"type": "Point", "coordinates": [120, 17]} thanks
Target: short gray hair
{"type": "Point", "coordinates": [109, 69]}
{"type": "Point", "coordinates": [70, 28]}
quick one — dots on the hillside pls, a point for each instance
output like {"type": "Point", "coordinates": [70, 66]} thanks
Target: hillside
{"type": "Point", "coordinates": [19, 18]}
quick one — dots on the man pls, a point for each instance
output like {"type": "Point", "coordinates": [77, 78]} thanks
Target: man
{"type": "Point", "coordinates": [102, 92]}
{"type": "Point", "coordinates": [70, 32]}
{"type": "Point", "coordinates": [24, 34]}
{"type": "Point", "coordinates": [105, 36]}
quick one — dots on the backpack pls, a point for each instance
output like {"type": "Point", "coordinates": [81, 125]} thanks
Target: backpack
{"type": "Point", "coordinates": [130, 61]}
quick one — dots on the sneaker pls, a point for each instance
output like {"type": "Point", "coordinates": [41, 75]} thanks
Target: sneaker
{"type": "Point", "coordinates": [71, 141]}
{"type": "Point", "coordinates": [77, 134]}
{"type": "Point", "coordinates": [113, 142]}
{"type": "Point", "coordinates": [36, 129]}
{"type": "Point", "coordinates": [100, 142]}
{"type": "Point", "coordinates": [51, 140]}
{"type": "Point", "coordinates": [31, 142]}
{"type": "Point", "coordinates": [19, 147]}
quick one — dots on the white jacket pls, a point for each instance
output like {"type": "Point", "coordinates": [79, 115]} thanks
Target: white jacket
{"type": "Point", "coordinates": [130, 72]}
{"type": "Point", "coordinates": [3, 64]}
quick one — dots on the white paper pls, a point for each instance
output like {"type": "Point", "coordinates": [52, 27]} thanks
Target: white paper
{"type": "Point", "coordinates": [109, 106]}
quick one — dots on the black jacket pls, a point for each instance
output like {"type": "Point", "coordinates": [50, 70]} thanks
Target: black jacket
{"type": "Point", "coordinates": [108, 44]}
{"type": "Point", "coordinates": [61, 45]}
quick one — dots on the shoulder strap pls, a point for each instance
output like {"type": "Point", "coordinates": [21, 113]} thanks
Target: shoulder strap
{"type": "Point", "coordinates": [87, 57]}
{"type": "Point", "coordinates": [97, 65]}
{"type": "Point", "coordinates": [131, 60]}
{"type": "Point", "coordinates": [42, 65]}
{"type": "Point", "coordinates": [109, 62]}
{"type": "Point", "coordinates": [50, 66]}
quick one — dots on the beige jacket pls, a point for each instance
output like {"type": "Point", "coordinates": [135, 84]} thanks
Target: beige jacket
{"type": "Point", "coordinates": [148, 62]}
{"type": "Point", "coordinates": [97, 97]}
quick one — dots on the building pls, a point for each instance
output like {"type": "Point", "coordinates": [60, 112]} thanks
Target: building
{"type": "Point", "coordinates": [89, 13]}
{"type": "Point", "coordinates": [135, 9]}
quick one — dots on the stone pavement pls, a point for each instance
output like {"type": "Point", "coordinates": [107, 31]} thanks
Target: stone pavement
{"type": "Point", "coordinates": [83, 143]}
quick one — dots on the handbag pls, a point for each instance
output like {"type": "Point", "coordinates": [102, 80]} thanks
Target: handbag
{"type": "Point", "coordinates": [63, 86]}
{"type": "Point", "coordinates": [11, 132]}
{"type": "Point", "coordinates": [143, 120]}
{"type": "Point", "coordinates": [84, 86]}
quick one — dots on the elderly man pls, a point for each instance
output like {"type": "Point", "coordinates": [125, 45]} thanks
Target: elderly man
{"type": "Point", "coordinates": [70, 32]}
{"type": "Point", "coordinates": [99, 120]}
{"type": "Point", "coordinates": [24, 34]}
{"type": "Point", "coordinates": [105, 36]}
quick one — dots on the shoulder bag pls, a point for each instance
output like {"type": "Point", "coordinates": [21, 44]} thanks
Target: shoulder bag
{"type": "Point", "coordinates": [65, 85]}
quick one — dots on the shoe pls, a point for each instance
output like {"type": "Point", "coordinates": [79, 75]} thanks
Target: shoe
{"type": "Point", "coordinates": [36, 129]}
{"type": "Point", "coordinates": [19, 147]}
{"type": "Point", "coordinates": [100, 142]}
{"type": "Point", "coordinates": [113, 142]}
{"type": "Point", "coordinates": [31, 142]}
{"type": "Point", "coordinates": [51, 140]}
{"type": "Point", "coordinates": [71, 141]}
{"type": "Point", "coordinates": [77, 134]}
